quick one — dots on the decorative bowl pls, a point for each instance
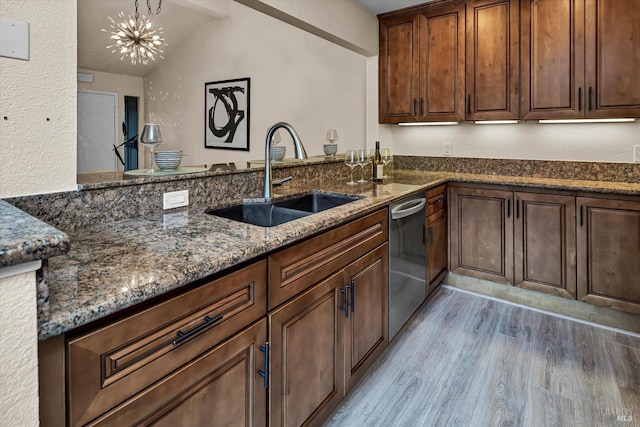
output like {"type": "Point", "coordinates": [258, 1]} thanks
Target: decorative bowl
{"type": "Point", "coordinates": [330, 149]}
{"type": "Point", "coordinates": [168, 160]}
{"type": "Point", "coordinates": [278, 152]}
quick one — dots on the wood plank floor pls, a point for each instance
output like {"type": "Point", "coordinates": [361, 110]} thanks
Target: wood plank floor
{"type": "Point", "coordinates": [465, 360]}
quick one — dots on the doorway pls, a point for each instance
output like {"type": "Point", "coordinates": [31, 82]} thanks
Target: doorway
{"type": "Point", "coordinates": [97, 130]}
{"type": "Point", "coordinates": [130, 130]}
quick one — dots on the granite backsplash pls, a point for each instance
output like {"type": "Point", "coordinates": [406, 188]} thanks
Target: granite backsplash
{"type": "Point", "coordinates": [588, 171]}
{"type": "Point", "coordinates": [73, 209]}
{"type": "Point", "coordinates": [70, 210]}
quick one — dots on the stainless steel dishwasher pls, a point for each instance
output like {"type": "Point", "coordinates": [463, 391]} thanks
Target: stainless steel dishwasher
{"type": "Point", "coordinates": [407, 260]}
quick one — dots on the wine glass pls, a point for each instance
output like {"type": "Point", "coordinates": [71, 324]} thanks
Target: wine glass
{"type": "Point", "coordinates": [151, 137]}
{"type": "Point", "coordinates": [351, 160]}
{"type": "Point", "coordinates": [387, 157]}
{"type": "Point", "coordinates": [332, 135]}
{"type": "Point", "coordinates": [363, 160]}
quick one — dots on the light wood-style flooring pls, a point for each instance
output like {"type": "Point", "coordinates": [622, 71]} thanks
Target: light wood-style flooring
{"type": "Point", "coordinates": [465, 360]}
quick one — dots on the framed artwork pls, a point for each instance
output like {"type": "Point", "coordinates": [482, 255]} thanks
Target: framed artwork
{"type": "Point", "coordinates": [226, 123]}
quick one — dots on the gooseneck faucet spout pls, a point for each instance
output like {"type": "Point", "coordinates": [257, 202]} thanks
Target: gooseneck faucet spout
{"type": "Point", "coordinates": [299, 150]}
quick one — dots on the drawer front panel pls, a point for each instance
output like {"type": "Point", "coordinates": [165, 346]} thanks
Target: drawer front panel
{"type": "Point", "coordinates": [220, 387]}
{"type": "Point", "coordinates": [113, 363]}
{"type": "Point", "coordinates": [436, 199]}
{"type": "Point", "coordinates": [294, 269]}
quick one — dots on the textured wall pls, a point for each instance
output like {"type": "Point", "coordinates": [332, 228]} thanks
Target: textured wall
{"type": "Point", "coordinates": [18, 351]}
{"type": "Point", "coordinates": [296, 77]}
{"type": "Point", "coordinates": [38, 99]}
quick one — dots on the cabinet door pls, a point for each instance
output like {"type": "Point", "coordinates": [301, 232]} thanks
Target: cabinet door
{"type": "Point", "coordinates": [482, 233]}
{"type": "Point", "coordinates": [367, 325]}
{"type": "Point", "coordinates": [552, 59]}
{"type": "Point", "coordinates": [307, 355]}
{"type": "Point", "coordinates": [220, 387]}
{"type": "Point", "coordinates": [612, 58]}
{"type": "Point", "coordinates": [492, 60]}
{"type": "Point", "coordinates": [609, 253]}
{"type": "Point", "coordinates": [436, 249]}
{"type": "Point", "coordinates": [442, 65]}
{"type": "Point", "coordinates": [545, 243]}
{"type": "Point", "coordinates": [398, 84]}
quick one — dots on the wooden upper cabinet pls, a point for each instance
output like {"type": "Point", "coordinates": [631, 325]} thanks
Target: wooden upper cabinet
{"type": "Point", "coordinates": [612, 58]}
{"type": "Point", "coordinates": [579, 59]}
{"type": "Point", "coordinates": [441, 73]}
{"type": "Point", "coordinates": [398, 62]}
{"type": "Point", "coordinates": [552, 73]}
{"type": "Point", "coordinates": [492, 60]}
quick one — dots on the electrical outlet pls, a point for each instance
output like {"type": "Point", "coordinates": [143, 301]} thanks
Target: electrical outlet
{"type": "Point", "coordinates": [636, 153]}
{"type": "Point", "coordinates": [175, 199]}
{"type": "Point", "coordinates": [446, 148]}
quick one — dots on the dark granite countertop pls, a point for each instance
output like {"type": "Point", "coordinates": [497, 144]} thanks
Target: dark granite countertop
{"type": "Point", "coordinates": [116, 265]}
{"type": "Point", "coordinates": [25, 238]}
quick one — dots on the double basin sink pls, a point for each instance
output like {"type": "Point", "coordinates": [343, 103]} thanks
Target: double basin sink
{"type": "Point", "coordinates": [275, 212]}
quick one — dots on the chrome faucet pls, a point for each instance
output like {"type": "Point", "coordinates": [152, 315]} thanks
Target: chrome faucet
{"type": "Point", "coordinates": [298, 149]}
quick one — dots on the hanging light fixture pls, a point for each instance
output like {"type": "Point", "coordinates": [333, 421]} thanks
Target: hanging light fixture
{"type": "Point", "coordinates": [133, 37]}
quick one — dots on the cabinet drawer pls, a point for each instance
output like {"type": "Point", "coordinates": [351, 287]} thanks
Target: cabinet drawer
{"type": "Point", "coordinates": [113, 363]}
{"type": "Point", "coordinates": [436, 199]}
{"type": "Point", "coordinates": [295, 269]}
{"type": "Point", "coordinates": [221, 387]}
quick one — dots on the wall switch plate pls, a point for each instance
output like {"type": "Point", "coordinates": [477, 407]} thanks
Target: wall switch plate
{"type": "Point", "coordinates": [14, 38]}
{"type": "Point", "coordinates": [446, 148]}
{"type": "Point", "coordinates": [636, 153]}
{"type": "Point", "coordinates": [175, 199]}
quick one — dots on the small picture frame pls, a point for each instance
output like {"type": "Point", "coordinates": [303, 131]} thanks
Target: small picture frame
{"type": "Point", "coordinates": [226, 114]}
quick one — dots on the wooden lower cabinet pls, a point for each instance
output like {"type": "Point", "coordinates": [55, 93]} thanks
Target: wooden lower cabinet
{"type": "Point", "coordinates": [525, 239]}
{"type": "Point", "coordinates": [307, 355]}
{"type": "Point", "coordinates": [367, 327]}
{"type": "Point", "coordinates": [222, 387]}
{"type": "Point", "coordinates": [482, 233]}
{"type": "Point", "coordinates": [545, 243]}
{"type": "Point", "coordinates": [325, 338]}
{"type": "Point", "coordinates": [436, 237]}
{"type": "Point", "coordinates": [609, 253]}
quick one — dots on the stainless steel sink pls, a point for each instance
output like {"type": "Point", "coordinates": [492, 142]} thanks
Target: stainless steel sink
{"type": "Point", "coordinates": [316, 201]}
{"type": "Point", "coordinates": [276, 212]}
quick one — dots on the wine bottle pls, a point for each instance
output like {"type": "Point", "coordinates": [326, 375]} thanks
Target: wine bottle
{"type": "Point", "coordinates": [378, 165]}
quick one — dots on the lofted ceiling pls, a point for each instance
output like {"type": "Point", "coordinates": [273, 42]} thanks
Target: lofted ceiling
{"type": "Point", "coordinates": [176, 18]}
{"type": "Point", "coordinates": [381, 6]}
{"type": "Point", "coordinates": [177, 23]}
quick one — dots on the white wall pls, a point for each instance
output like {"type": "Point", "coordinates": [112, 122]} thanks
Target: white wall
{"type": "Point", "coordinates": [603, 142]}
{"type": "Point", "coordinates": [123, 86]}
{"type": "Point", "coordinates": [295, 77]}
{"type": "Point", "coordinates": [38, 99]}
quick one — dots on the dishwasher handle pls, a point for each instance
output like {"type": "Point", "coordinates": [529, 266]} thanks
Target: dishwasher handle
{"type": "Point", "coordinates": [408, 208]}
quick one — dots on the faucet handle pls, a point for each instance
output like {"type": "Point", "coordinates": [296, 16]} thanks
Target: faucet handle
{"type": "Point", "coordinates": [279, 182]}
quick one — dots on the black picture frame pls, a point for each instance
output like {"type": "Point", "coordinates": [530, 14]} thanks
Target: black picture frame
{"type": "Point", "coordinates": [226, 114]}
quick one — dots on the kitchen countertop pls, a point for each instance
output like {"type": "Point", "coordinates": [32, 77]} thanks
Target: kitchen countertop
{"type": "Point", "coordinates": [25, 238]}
{"type": "Point", "coordinates": [116, 265]}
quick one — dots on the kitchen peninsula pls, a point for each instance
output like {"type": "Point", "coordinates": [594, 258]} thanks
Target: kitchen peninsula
{"type": "Point", "coordinates": [113, 267]}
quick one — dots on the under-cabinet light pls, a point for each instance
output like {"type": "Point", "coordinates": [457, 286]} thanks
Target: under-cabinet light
{"type": "Point", "coordinates": [587, 121]}
{"type": "Point", "coordinates": [428, 124]}
{"type": "Point", "coordinates": [495, 122]}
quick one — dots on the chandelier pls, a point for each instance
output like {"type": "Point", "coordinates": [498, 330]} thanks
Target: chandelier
{"type": "Point", "coordinates": [133, 38]}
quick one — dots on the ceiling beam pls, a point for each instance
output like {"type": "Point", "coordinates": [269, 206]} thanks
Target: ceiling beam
{"type": "Point", "coordinates": [219, 9]}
